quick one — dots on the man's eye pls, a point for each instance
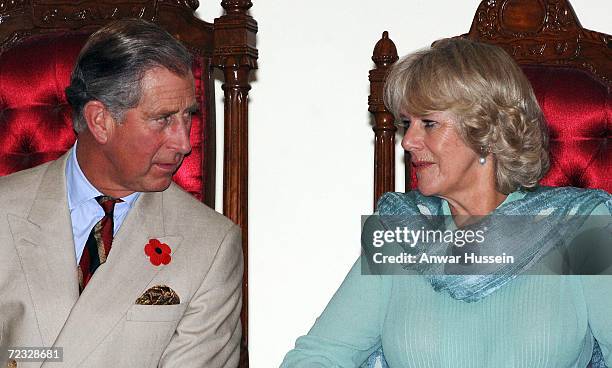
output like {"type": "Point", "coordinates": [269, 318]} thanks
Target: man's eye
{"type": "Point", "coordinates": [164, 119]}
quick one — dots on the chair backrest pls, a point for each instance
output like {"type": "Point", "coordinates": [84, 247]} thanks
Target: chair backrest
{"type": "Point", "coordinates": [39, 43]}
{"type": "Point", "coordinates": [570, 69]}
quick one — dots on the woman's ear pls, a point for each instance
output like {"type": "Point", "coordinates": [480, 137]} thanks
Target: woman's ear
{"type": "Point", "coordinates": [100, 122]}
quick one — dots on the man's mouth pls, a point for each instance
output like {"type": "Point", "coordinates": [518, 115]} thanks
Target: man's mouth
{"type": "Point", "coordinates": [169, 167]}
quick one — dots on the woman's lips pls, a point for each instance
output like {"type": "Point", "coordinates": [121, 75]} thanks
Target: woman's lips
{"type": "Point", "coordinates": [419, 165]}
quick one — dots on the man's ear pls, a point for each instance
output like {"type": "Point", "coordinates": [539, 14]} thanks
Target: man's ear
{"type": "Point", "coordinates": [99, 120]}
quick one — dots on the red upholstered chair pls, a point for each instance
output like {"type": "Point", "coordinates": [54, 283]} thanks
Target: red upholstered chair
{"type": "Point", "coordinates": [570, 69]}
{"type": "Point", "coordinates": [39, 42]}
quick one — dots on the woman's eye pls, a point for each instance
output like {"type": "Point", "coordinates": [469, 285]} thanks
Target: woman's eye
{"type": "Point", "coordinates": [404, 123]}
{"type": "Point", "coordinates": [429, 123]}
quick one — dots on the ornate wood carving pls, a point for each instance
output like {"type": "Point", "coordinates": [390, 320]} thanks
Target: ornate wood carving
{"type": "Point", "coordinates": [14, 39]}
{"type": "Point", "coordinates": [543, 32]}
{"type": "Point", "coordinates": [74, 16]}
{"type": "Point", "coordinates": [385, 54]}
{"type": "Point", "coordinates": [559, 17]}
{"type": "Point", "coordinates": [9, 6]}
{"type": "Point", "coordinates": [235, 54]}
{"type": "Point", "coordinates": [31, 17]}
{"type": "Point", "coordinates": [192, 4]}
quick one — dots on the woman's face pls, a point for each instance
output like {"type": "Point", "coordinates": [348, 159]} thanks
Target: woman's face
{"type": "Point", "coordinates": [445, 166]}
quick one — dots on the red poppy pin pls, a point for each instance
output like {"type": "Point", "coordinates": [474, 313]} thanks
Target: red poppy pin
{"type": "Point", "coordinates": [158, 252]}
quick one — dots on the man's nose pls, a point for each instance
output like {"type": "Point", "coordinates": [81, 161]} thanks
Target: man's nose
{"type": "Point", "coordinates": [180, 136]}
{"type": "Point", "coordinates": [413, 138]}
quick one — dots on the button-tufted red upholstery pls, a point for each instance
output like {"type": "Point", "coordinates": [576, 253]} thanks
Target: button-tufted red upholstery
{"type": "Point", "coordinates": [35, 118]}
{"type": "Point", "coordinates": [578, 110]}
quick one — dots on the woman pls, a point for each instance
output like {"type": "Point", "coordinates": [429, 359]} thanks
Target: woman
{"type": "Point", "coordinates": [478, 145]}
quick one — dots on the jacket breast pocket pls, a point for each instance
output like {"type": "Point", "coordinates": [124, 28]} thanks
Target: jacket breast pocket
{"type": "Point", "coordinates": [155, 313]}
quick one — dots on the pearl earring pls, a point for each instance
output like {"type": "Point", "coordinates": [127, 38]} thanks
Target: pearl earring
{"type": "Point", "coordinates": [483, 156]}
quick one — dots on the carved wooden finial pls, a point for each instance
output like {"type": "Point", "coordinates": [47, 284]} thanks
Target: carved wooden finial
{"type": "Point", "coordinates": [236, 6]}
{"type": "Point", "coordinates": [235, 36]}
{"type": "Point", "coordinates": [385, 52]}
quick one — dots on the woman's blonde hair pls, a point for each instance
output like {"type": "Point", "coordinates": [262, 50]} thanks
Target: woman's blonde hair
{"type": "Point", "coordinates": [490, 97]}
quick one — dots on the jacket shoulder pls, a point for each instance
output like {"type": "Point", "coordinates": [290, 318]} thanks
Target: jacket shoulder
{"type": "Point", "coordinates": [180, 205]}
{"type": "Point", "coordinates": [17, 190]}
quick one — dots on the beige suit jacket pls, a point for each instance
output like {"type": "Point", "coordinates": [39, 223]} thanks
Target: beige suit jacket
{"type": "Point", "coordinates": [40, 304]}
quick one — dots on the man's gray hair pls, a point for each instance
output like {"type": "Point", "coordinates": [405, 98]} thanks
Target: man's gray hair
{"type": "Point", "coordinates": [112, 63]}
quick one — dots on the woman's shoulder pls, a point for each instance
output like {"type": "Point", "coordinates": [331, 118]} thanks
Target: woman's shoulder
{"type": "Point", "coordinates": [389, 198]}
{"type": "Point", "coordinates": [565, 191]}
{"type": "Point", "coordinates": [412, 202]}
{"type": "Point", "coordinates": [580, 201]}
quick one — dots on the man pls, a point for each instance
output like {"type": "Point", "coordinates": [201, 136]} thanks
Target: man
{"type": "Point", "coordinates": [103, 256]}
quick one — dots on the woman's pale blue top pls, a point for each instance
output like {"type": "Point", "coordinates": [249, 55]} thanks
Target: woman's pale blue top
{"type": "Point", "coordinates": [532, 322]}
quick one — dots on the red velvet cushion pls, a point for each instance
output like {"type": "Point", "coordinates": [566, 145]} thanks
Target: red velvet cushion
{"type": "Point", "coordinates": [35, 118]}
{"type": "Point", "coordinates": [577, 109]}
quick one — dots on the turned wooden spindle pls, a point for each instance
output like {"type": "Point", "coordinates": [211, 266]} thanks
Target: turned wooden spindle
{"type": "Point", "coordinates": [385, 54]}
{"type": "Point", "coordinates": [236, 55]}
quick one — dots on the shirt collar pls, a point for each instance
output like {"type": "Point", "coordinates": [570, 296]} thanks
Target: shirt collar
{"type": "Point", "coordinates": [79, 188]}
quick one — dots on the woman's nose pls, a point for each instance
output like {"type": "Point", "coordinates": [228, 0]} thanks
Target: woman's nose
{"type": "Point", "coordinates": [413, 138]}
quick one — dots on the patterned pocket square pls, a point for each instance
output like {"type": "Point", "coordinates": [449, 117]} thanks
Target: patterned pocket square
{"type": "Point", "coordinates": [159, 295]}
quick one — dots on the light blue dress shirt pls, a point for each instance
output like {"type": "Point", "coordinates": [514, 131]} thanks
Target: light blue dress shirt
{"type": "Point", "coordinates": [85, 211]}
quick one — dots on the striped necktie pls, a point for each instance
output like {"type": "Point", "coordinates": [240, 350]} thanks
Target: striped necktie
{"type": "Point", "coordinates": [98, 243]}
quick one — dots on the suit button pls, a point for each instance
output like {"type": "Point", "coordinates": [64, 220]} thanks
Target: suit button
{"type": "Point", "coordinates": [11, 363]}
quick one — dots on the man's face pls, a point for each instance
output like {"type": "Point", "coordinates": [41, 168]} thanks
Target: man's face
{"type": "Point", "coordinates": [148, 146]}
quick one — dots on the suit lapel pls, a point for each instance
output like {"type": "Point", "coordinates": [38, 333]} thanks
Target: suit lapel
{"type": "Point", "coordinates": [116, 284]}
{"type": "Point", "coordinates": [46, 249]}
